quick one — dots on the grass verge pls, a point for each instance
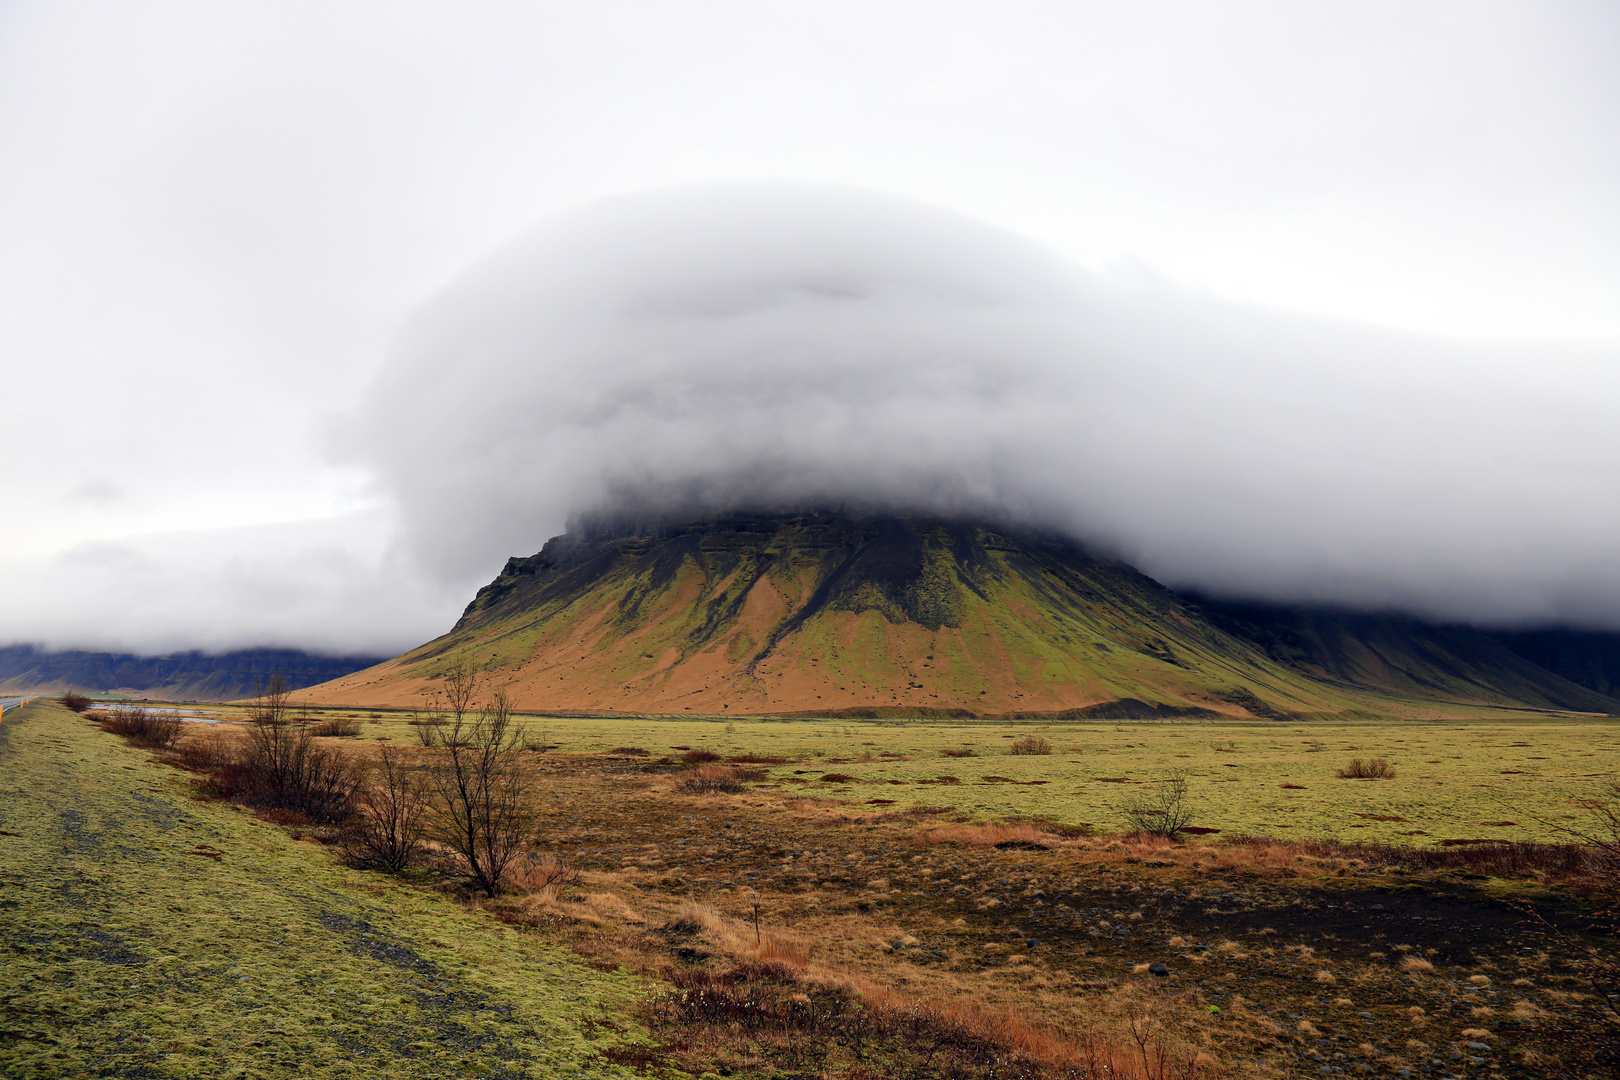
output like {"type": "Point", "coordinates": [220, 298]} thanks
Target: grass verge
{"type": "Point", "coordinates": [148, 934]}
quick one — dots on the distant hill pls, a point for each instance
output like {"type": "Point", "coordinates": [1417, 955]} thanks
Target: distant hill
{"type": "Point", "coordinates": [891, 615]}
{"type": "Point", "coordinates": [186, 676]}
{"type": "Point", "coordinates": [1405, 655]}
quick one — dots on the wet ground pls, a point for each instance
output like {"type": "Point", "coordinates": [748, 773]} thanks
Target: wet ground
{"type": "Point", "coordinates": [1281, 965]}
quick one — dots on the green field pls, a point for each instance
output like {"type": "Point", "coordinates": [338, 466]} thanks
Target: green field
{"type": "Point", "coordinates": [1454, 780]}
{"type": "Point", "coordinates": [147, 934]}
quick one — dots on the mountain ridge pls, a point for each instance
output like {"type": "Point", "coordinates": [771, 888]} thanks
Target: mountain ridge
{"type": "Point", "coordinates": [846, 613]}
{"type": "Point", "coordinates": [190, 675]}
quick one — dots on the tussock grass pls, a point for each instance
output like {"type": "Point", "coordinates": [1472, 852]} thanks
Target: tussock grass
{"type": "Point", "coordinates": [717, 780]}
{"type": "Point", "coordinates": [991, 835]}
{"type": "Point", "coordinates": [1371, 769]}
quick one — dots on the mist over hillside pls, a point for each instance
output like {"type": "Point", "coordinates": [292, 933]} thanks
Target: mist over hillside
{"type": "Point", "coordinates": [768, 346]}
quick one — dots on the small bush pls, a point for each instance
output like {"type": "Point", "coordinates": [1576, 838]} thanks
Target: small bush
{"type": "Point", "coordinates": [1163, 811]}
{"type": "Point", "coordinates": [342, 727]}
{"type": "Point", "coordinates": [628, 751]}
{"type": "Point", "coordinates": [202, 753]}
{"type": "Point", "coordinates": [756, 759]}
{"type": "Point", "coordinates": [157, 731]}
{"type": "Point", "coordinates": [713, 780]}
{"type": "Point", "coordinates": [545, 874]}
{"type": "Point", "coordinates": [966, 751]}
{"type": "Point", "coordinates": [282, 767]}
{"type": "Point", "coordinates": [77, 702]}
{"type": "Point", "coordinates": [1030, 744]}
{"type": "Point", "coordinates": [429, 729]}
{"type": "Point", "coordinates": [1374, 769]}
{"type": "Point", "coordinates": [391, 816]}
{"type": "Point", "coordinates": [699, 757]}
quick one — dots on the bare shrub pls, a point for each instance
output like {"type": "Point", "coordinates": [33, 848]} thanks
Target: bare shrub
{"type": "Point", "coordinates": [699, 757]}
{"type": "Point", "coordinates": [958, 752]}
{"type": "Point", "coordinates": [628, 751]}
{"type": "Point", "coordinates": [157, 731]}
{"type": "Point", "coordinates": [757, 759]}
{"type": "Point", "coordinates": [1030, 744]}
{"type": "Point", "coordinates": [1602, 834]}
{"type": "Point", "coordinates": [202, 753]}
{"type": "Point", "coordinates": [77, 702]}
{"type": "Point", "coordinates": [391, 815]}
{"type": "Point", "coordinates": [716, 780]}
{"type": "Point", "coordinates": [543, 874]}
{"type": "Point", "coordinates": [341, 727]}
{"type": "Point", "coordinates": [429, 728]}
{"type": "Point", "coordinates": [1163, 810]}
{"type": "Point", "coordinates": [283, 767]}
{"type": "Point", "coordinates": [1373, 769]}
{"type": "Point", "coordinates": [483, 813]}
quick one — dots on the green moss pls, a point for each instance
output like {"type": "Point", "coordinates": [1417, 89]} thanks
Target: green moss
{"type": "Point", "coordinates": [149, 934]}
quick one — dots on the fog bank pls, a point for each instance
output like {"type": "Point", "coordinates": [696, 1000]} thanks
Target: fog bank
{"type": "Point", "coordinates": [752, 346]}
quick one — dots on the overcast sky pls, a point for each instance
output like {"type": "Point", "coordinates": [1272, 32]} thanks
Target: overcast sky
{"type": "Point", "coordinates": [226, 232]}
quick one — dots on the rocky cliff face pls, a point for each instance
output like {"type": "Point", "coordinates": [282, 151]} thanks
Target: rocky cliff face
{"type": "Point", "coordinates": [875, 614]}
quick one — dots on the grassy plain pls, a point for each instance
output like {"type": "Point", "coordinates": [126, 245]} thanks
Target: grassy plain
{"type": "Point", "coordinates": [1482, 779]}
{"type": "Point", "coordinates": [768, 903]}
{"type": "Point", "coordinates": [144, 933]}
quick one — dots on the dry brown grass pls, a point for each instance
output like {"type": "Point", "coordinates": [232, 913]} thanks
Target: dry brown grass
{"type": "Point", "coordinates": [542, 875]}
{"type": "Point", "coordinates": [1416, 965]}
{"type": "Point", "coordinates": [1526, 1012]}
{"type": "Point", "coordinates": [992, 835]}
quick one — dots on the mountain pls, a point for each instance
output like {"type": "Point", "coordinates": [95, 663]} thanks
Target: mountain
{"type": "Point", "coordinates": [186, 676]}
{"type": "Point", "coordinates": [891, 615]}
{"type": "Point", "coordinates": [1401, 654]}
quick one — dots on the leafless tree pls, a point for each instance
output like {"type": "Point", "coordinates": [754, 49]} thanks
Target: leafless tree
{"type": "Point", "coordinates": [1162, 811]}
{"type": "Point", "coordinates": [391, 815]}
{"type": "Point", "coordinates": [483, 807]}
{"type": "Point", "coordinates": [284, 767]}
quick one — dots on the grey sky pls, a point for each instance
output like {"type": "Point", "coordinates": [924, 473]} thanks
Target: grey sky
{"type": "Point", "coordinates": [216, 219]}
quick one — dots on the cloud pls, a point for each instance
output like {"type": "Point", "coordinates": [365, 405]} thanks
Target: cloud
{"type": "Point", "coordinates": [758, 345]}
{"type": "Point", "coordinates": [332, 586]}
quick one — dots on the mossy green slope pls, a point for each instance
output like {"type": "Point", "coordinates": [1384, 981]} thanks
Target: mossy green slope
{"type": "Point", "coordinates": [146, 934]}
